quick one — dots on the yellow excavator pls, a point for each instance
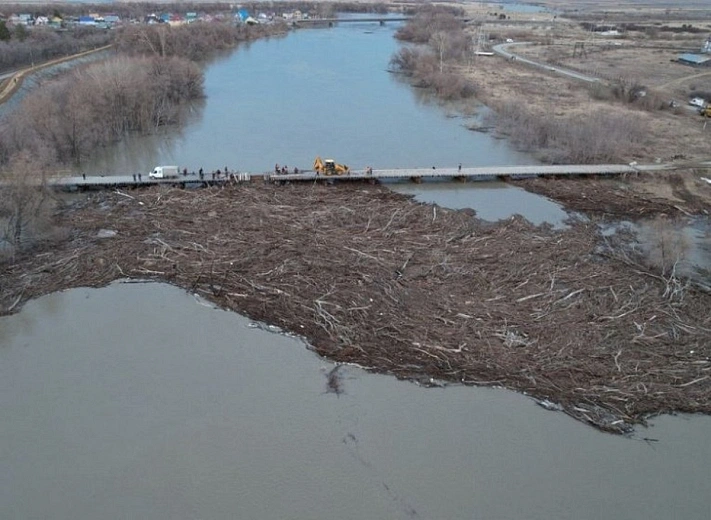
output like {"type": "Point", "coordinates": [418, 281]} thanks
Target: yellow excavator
{"type": "Point", "coordinates": [705, 111]}
{"type": "Point", "coordinates": [329, 167]}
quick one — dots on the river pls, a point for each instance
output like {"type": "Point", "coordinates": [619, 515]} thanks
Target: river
{"type": "Point", "coordinates": [141, 401]}
{"type": "Point", "coordinates": [327, 92]}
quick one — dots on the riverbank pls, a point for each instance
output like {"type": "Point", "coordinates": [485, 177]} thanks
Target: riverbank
{"type": "Point", "coordinates": [539, 109]}
{"type": "Point", "coordinates": [414, 290]}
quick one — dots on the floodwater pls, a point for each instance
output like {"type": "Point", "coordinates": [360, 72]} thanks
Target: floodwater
{"type": "Point", "coordinates": [682, 244]}
{"type": "Point", "coordinates": [327, 92]}
{"type": "Point", "coordinates": [487, 197]}
{"type": "Point", "coordinates": [686, 242]}
{"type": "Point", "coordinates": [142, 401]}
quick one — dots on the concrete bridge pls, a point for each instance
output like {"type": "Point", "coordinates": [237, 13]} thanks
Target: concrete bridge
{"type": "Point", "coordinates": [88, 182]}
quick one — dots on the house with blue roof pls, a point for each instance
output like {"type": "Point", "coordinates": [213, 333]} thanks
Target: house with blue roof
{"type": "Point", "coordinates": [242, 15]}
{"type": "Point", "coordinates": [697, 60]}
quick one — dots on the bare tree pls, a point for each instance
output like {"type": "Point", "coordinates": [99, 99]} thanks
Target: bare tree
{"type": "Point", "coordinates": [669, 246]}
{"type": "Point", "coordinates": [25, 203]}
{"type": "Point", "coordinates": [440, 43]}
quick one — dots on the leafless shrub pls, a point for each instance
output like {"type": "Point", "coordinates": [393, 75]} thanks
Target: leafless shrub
{"type": "Point", "coordinates": [100, 103]}
{"type": "Point", "coordinates": [425, 25]}
{"type": "Point", "coordinates": [599, 137]}
{"type": "Point", "coordinates": [451, 87]}
{"type": "Point", "coordinates": [601, 92]}
{"type": "Point", "coordinates": [44, 44]}
{"type": "Point", "coordinates": [196, 41]}
{"type": "Point", "coordinates": [668, 246]}
{"type": "Point", "coordinates": [430, 66]}
{"type": "Point", "coordinates": [629, 92]}
{"type": "Point", "coordinates": [405, 60]}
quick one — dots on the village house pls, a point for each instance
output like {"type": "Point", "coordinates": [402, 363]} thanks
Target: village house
{"type": "Point", "coordinates": [696, 60]}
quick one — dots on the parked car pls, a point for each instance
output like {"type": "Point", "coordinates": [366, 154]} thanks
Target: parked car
{"type": "Point", "coordinates": [697, 102]}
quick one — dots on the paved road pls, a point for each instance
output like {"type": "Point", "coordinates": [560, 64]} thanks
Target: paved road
{"type": "Point", "coordinates": [502, 49]}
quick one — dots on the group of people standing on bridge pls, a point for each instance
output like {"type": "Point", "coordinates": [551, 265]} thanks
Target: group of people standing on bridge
{"type": "Point", "coordinates": [215, 174]}
{"type": "Point", "coordinates": [283, 169]}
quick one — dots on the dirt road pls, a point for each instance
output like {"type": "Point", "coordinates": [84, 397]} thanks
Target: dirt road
{"type": "Point", "coordinates": [14, 81]}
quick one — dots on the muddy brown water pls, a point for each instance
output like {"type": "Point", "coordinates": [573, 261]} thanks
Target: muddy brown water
{"type": "Point", "coordinates": [142, 401]}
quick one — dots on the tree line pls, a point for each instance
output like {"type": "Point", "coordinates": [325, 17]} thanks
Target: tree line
{"type": "Point", "coordinates": [145, 85]}
{"type": "Point", "coordinates": [437, 46]}
{"type": "Point", "coordinates": [26, 47]}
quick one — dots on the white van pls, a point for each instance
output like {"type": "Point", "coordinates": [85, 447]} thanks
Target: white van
{"type": "Point", "coordinates": [697, 102]}
{"type": "Point", "coordinates": [163, 172]}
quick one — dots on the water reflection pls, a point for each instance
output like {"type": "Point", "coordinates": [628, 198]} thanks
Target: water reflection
{"type": "Point", "coordinates": [680, 244]}
{"type": "Point", "coordinates": [138, 401]}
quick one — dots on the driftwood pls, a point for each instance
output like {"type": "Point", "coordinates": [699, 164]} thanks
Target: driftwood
{"type": "Point", "coordinates": [370, 277]}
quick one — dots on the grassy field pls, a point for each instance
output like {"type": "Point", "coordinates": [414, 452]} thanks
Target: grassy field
{"type": "Point", "coordinates": [640, 80]}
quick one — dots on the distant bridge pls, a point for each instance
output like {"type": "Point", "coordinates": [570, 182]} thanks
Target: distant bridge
{"type": "Point", "coordinates": [382, 20]}
{"type": "Point", "coordinates": [413, 174]}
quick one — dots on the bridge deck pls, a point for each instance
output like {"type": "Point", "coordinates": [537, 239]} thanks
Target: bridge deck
{"type": "Point", "coordinates": [479, 173]}
{"type": "Point", "coordinates": [379, 19]}
{"type": "Point", "coordinates": [118, 181]}
{"type": "Point", "coordinates": [483, 173]}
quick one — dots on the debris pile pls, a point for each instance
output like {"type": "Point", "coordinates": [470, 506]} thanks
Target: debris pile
{"type": "Point", "coordinates": [371, 277]}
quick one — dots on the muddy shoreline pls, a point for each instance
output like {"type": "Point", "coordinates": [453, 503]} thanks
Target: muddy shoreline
{"type": "Point", "coordinates": [421, 292]}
